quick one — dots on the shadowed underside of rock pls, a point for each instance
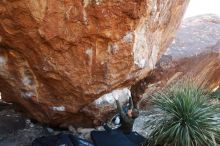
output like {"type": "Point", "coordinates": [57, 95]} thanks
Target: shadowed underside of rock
{"type": "Point", "coordinates": [56, 57]}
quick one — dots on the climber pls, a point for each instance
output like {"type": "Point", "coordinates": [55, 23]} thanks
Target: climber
{"type": "Point", "coordinates": [128, 114]}
{"type": "Point", "coordinates": [125, 117]}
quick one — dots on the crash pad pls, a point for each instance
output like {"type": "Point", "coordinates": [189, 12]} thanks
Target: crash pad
{"type": "Point", "coordinates": [104, 138]}
{"type": "Point", "coordinates": [61, 140]}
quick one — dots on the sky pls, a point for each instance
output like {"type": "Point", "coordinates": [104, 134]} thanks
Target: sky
{"type": "Point", "coordinates": [199, 7]}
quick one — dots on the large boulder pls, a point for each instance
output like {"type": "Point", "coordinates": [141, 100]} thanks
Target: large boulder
{"type": "Point", "coordinates": [58, 56]}
{"type": "Point", "coordinates": [194, 55]}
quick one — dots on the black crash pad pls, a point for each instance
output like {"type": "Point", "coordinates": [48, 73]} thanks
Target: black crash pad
{"type": "Point", "coordinates": [104, 138]}
{"type": "Point", "coordinates": [136, 138]}
{"type": "Point", "coordinates": [61, 140]}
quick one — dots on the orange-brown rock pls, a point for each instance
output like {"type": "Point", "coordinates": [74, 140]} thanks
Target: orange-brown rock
{"type": "Point", "coordinates": [57, 56]}
{"type": "Point", "coordinates": [194, 55]}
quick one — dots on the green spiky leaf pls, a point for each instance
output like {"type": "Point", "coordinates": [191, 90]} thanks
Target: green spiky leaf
{"type": "Point", "coordinates": [186, 118]}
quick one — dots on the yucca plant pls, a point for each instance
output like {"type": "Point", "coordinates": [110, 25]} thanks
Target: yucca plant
{"type": "Point", "coordinates": [185, 118]}
{"type": "Point", "coordinates": [216, 94]}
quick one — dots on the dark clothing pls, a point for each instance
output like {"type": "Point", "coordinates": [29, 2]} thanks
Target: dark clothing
{"type": "Point", "coordinates": [126, 121]}
{"type": "Point", "coordinates": [129, 106]}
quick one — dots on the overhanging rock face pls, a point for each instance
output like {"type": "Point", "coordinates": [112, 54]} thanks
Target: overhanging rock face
{"type": "Point", "coordinates": [57, 57]}
{"type": "Point", "coordinates": [194, 55]}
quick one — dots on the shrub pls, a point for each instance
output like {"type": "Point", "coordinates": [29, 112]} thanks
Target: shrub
{"type": "Point", "coordinates": [185, 118]}
{"type": "Point", "coordinates": [216, 94]}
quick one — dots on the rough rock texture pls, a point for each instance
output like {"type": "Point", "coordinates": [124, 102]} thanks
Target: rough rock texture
{"type": "Point", "coordinates": [105, 105]}
{"type": "Point", "coordinates": [16, 130]}
{"type": "Point", "coordinates": [57, 56]}
{"type": "Point", "coordinates": [194, 54]}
